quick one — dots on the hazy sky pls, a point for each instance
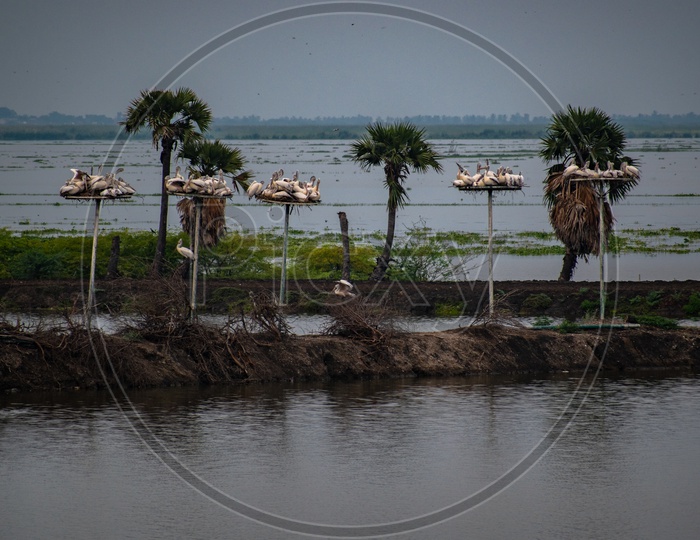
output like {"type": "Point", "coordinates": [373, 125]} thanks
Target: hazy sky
{"type": "Point", "coordinates": [88, 57]}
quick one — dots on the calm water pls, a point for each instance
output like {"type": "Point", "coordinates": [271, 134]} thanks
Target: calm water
{"type": "Point", "coordinates": [32, 172]}
{"type": "Point", "coordinates": [71, 466]}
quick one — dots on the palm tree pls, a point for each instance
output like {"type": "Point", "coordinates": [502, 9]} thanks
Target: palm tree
{"type": "Point", "coordinates": [582, 137]}
{"type": "Point", "coordinates": [171, 116]}
{"type": "Point", "coordinates": [397, 147]}
{"type": "Point", "coordinates": [207, 158]}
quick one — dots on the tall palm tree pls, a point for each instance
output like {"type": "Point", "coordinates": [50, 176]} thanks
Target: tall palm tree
{"type": "Point", "coordinates": [171, 116]}
{"type": "Point", "coordinates": [207, 158]}
{"type": "Point", "coordinates": [584, 137]}
{"type": "Point", "coordinates": [399, 148]}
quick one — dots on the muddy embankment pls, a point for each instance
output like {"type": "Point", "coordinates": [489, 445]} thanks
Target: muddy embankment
{"type": "Point", "coordinates": [176, 353]}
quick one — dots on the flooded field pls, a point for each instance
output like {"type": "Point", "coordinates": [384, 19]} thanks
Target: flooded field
{"type": "Point", "coordinates": [666, 198]}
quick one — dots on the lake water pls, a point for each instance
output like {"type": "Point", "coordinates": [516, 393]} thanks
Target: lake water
{"type": "Point", "coordinates": [32, 172]}
{"type": "Point", "coordinates": [624, 465]}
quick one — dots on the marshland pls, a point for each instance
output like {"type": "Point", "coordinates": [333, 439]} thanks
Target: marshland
{"type": "Point", "coordinates": [359, 397]}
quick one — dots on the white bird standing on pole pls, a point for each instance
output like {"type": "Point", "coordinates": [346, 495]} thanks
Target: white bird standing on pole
{"type": "Point", "coordinates": [185, 252]}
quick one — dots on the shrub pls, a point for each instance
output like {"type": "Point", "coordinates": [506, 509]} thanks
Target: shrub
{"type": "Point", "coordinates": [655, 320]}
{"type": "Point", "coordinates": [37, 265]}
{"type": "Point", "coordinates": [590, 305]}
{"type": "Point", "coordinates": [542, 321]}
{"type": "Point", "coordinates": [692, 308]}
{"type": "Point", "coordinates": [444, 309]}
{"type": "Point", "coordinates": [536, 303]}
{"type": "Point", "coordinates": [568, 327]}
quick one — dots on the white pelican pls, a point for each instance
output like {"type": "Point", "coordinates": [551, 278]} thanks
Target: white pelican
{"type": "Point", "coordinates": [282, 196]}
{"type": "Point", "coordinates": [343, 288]}
{"type": "Point", "coordinates": [97, 183]}
{"type": "Point", "coordinates": [314, 194]}
{"type": "Point", "coordinates": [69, 189]}
{"type": "Point", "coordinates": [300, 196]}
{"type": "Point", "coordinates": [629, 170]}
{"type": "Point", "coordinates": [254, 189]}
{"type": "Point", "coordinates": [571, 169]}
{"type": "Point", "coordinates": [284, 184]}
{"type": "Point", "coordinates": [185, 252]}
{"type": "Point", "coordinates": [268, 192]}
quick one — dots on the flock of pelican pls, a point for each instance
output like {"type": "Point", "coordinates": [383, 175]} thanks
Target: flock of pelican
{"type": "Point", "coordinates": [281, 189]}
{"type": "Point", "coordinates": [485, 177]}
{"type": "Point", "coordinates": [86, 185]}
{"type": "Point", "coordinates": [625, 171]}
{"type": "Point", "coordinates": [213, 186]}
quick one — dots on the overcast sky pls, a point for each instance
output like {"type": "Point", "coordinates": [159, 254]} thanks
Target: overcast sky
{"type": "Point", "coordinates": [87, 57]}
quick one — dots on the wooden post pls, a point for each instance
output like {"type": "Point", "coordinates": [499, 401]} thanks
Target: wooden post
{"type": "Point", "coordinates": [345, 273]}
{"type": "Point", "coordinates": [113, 266]}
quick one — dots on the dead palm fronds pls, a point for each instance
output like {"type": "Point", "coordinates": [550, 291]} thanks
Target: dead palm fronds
{"type": "Point", "coordinates": [574, 215]}
{"type": "Point", "coordinates": [213, 225]}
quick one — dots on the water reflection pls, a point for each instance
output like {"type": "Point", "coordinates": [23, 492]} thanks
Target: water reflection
{"type": "Point", "coordinates": [357, 453]}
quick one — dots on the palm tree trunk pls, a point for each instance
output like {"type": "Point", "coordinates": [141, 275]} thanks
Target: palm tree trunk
{"type": "Point", "coordinates": [568, 266]}
{"type": "Point", "coordinates": [383, 260]}
{"type": "Point", "coordinates": [159, 258]}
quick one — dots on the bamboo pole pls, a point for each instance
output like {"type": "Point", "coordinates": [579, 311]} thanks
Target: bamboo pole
{"type": "Point", "coordinates": [93, 261]}
{"type": "Point", "coordinates": [195, 269]}
{"type": "Point", "coordinates": [490, 205]}
{"type": "Point", "coordinates": [601, 246]}
{"type": "Point", "coordinates": [283, 283]}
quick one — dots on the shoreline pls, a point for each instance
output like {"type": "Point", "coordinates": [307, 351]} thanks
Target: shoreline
{"type": "Point", "coordinates": [166, 350]}
{"type": "Point", "coordinates": [76, 361]}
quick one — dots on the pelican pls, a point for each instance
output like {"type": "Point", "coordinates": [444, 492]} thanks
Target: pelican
{"type": "Point", "coordinates": [585, 171]}
{"type": "Point", "coordinates": [69, 189]}
{"type": "Point", "coordinates": [185, 252]}
{"type": "Point", "coordinates": [314, 195]}
{"type": "Point", "coordinates": [571, 169]}
{"type": "Point", "coordinates": [269, 190]}
{"type": "Point", "coordinates": [629, 170]}
{"type": "Point", "coordinates": [464, 175]}
{"type": "Point", "coordinates": [282, 195]}
{"type": "Point", "coordinates": [300, 196]}
{"type": "Point", "coordinates": [97, 183]}
{"type": "Point", "coordinates": [343, 289]}
{"type": "Point", "coordinates": [284, 184]}
{"type": "Point", "coordinates": [77, 174]}
{"type": "Point", "coordinates": [609, 172]}
{"type": "Point", "coordinates": [254, 189]}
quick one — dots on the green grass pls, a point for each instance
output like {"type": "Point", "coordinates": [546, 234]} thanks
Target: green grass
{"type": "Point", "coordinates": [420, 252]}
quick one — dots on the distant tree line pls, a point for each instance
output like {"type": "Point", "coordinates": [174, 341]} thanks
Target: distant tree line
{"type": "Point", "coordinates": [9, 117]}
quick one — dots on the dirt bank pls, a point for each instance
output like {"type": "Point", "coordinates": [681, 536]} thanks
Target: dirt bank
{"type": "Point", "coordinates": [167, 350]}
{"type": "Point", "coordinates": [572, 300]}
{"type": "Point", "coordinates": [81, 360]}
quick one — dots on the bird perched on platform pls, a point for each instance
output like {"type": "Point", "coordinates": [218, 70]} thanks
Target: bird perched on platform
{"type": "Point", "coordinates": [343, 288]}
{"type": "Point", "coordinates": [185, 252]}
{"type": "Point", "coordinates": [629, 170]}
